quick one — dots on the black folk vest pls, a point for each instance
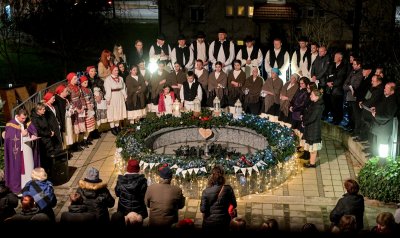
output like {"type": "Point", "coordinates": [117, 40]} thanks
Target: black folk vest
{"type": "Point", "coordinates": [190, 94]}
{"type": "Point", "coordinates": [280, 59]}
{"type": "Point", "coordinates": [195, 50]}
{"type": "Point", "coordinates": [157, 49]}
{"type": "Point", "coordinates": [253, 55]}
{"type": "Point", "coordinates": [217, 46]}
{"type": "Point", "coordinates": [180, 52]}
{"type": "Point", "coordinates": [306, 55]}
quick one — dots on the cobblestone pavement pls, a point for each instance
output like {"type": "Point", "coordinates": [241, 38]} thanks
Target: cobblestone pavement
{"type": "Point", "coordinates": [307, 197]}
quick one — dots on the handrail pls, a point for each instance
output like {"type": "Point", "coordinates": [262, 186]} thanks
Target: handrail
{"type": "Point", "coordinates": [30, 103]}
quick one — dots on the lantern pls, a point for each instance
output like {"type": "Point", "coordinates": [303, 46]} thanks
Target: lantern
{"type": "Point", "coordinates": [217, 106]}
{"type": "Point", "coordinates": [176, 108]}
{"type": "Point", "coordinates": [196, 107]}
{"type": "Point", "coordinates": [238, 109]}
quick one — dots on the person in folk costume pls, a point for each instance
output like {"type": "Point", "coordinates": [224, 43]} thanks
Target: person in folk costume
{"type": "Point", "coordinates": [136, 101]}
{"type": "Point", "coordinates": [77, 106]}
{"type": "Point", "coordinates": [97, 87]}
{"type": "Point", "coordinates": [289, 89]}
{"type": "Point", "coordinates": [16, 132]}
{"type": "Point", "coordinates": [200, 49]}
{"type": "Point", "coordinates": [190, 90]}
{"type": "Point", "coordinates": [160, 51]}
{"type": "Point", "coordinates": [202, 77]}
{"type": "Point", "coordinates": [236, 79]}
{"type": "Point", "coordinates": [252, 87]}
{"type": "Point", "coordinates": [176, 78]}
{"type": "Point", "coordinates": [301, 58]}
{"type": "Point", "coordinates": [158, 80]}
{"type": "Point", "coordinates": [166, 99]}
{"type": "Point", "coordinates": [223, 51]}
{"type": "Point", "coordinates": [90, 119]}
{"type": "Point", "coordinates": [217, 82]}
{"type": "Point", "coordinates": [249, 56]}
{"type": "Point", "coordinates": [115, 97]}
{"type": "Point", "coordinates": [104, 64]}
{"type": "Point", "coordinates": [278, 58]}
{"type": "Point", "coordinates": [145, 73]}
{"type": "Point", "coordinates": [183, 54]}
{"type": "Point", "coordinates": [63, 114]}
{"type": "Point", "coordinates": [272, 89]}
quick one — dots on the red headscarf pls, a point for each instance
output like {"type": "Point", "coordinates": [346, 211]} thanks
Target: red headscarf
{"type": "Point", "coordinates": [60, 89]}
{"type": "Point", "coordinates": [89, 68]}
{"type": "Point", "coordinates": [48, 96]}
{"type": "Point", "coordinates": [83, 78]}
{"type": "Point", "coordinates": [70, 76]}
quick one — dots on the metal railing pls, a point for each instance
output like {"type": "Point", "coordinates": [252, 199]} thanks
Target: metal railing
{"type": "Point", "coordinates": [30, 103]}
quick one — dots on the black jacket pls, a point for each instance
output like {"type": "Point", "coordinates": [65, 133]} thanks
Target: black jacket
{"type": "Point", "coordinates": [131, 189]}
{"type": "Point", "coordinates": [47, 144]}
{"type": "Point", "coordinates": [8, 202]}
{"type": "Point", "coordinates": [54, 124]}
{"type": "Point", "coordinates": [61, 107]}
{"type": "Point", "coordinates": [349, 204]}
{"type": "Point", "coordinates": [215, 208]}
{"type": "Point", "coordinates": [337, 75]}
{"type": "Point", "coordinates": [78, 215]}
{"type": "Point", "coordinates": [97, 198]}
{"type": "Point", "coordinates": [312, 122]}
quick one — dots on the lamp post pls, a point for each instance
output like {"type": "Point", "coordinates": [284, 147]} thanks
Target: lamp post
{"type": "Point", "coordinates": [196, 107]}
{"type": "Point", "coordinates": [238, 109]}
{"type": "Point", "coordinates": [176, 108]}
{"type": "Point", "coordinates": [217, 106]}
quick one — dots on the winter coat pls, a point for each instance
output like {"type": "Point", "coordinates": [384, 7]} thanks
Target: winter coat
{"type": "Point", "coordinates": [31, 217]}
{"type": "Point", "coordinates": [164, 201]}
{"type": "Point", "coordinates": [215, 208]}
{"type": "Point", "coordinates": [46, 145]}
{"type": "Point", "coordinates": [61, 107]}
{"type": "Point", "coordinates": [54, 126]}
{"type": "Point", "coordinates": [8, 202]}
{"type": "Point", "coordinates": [298, 103]}
{"type": "Point", "coordinates": [131, 189]}
{"type": "Point", "coordinates": [43, 193]}
{"type": "Point", "coordinates": [337, 75]}
{"type": "Point", "coordinates": [78, 215]}
{"type": "Point", "coordinates": [312, 122]}
{"type": "Point", "coordinates": [349, 204]}
{"type": "Point", "coordinates": [97, 198]}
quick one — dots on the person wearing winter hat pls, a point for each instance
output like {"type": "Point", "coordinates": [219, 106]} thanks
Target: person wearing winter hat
{"type": "Point", "coordinates": [90, 120]}
{"type": "Point", "coordinates": [200, 49]}
{"type": "Point", "coordinates": [160, 50]}
{"type": "Point", "coordinates": [115, 98]}
{"type": "Point", "coordinates": [92, 189]}
{"type": "Point", "coordinates": [222, 50]}
{"type": "Point", "coordinates": [131, 188]}
{"type": "Point", "coordinates": [42, 191]}
{"type": "Point", "coordinates": [97, 86]}
{"type": "Point", "coordinates": [272, 88]}
{"type": "Point", "coordinates": [183, 54]}
{"type": "Point", "coordinates": [164, 200]}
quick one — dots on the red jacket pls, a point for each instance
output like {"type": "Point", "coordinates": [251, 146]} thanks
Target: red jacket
{"type": "Point", "coordinates": [161, 103]}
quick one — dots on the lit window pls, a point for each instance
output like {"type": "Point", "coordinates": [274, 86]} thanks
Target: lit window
{"type": "Point", "coordinates": [250, 11]}
{"type": "Point", "coordinates": [241, 11]}
{"type": "Point", "coordinates": [239, 42]}
{"type": "Point", "coordinates": [229, 10]}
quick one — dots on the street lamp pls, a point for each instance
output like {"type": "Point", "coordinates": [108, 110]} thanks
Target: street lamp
{"type": "Point", "coordinates": [238, 109]}
{"type": "Point", "coordinates": [176, 108]}
{"type": "Point", "coordinates": [197, 107]}
{"type": "Point", "coordinates": [217, 106]}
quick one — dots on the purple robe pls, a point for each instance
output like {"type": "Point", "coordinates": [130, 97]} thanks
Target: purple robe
{"type": "Point", "coordinates": [13, 154]}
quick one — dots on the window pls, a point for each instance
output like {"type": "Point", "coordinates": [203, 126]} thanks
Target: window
{"type": "Point", "coordinates": [241, 11]}
{"type": "Point", "coordinates": [197, 14]}
{"type": "Point", "coordinates": [397, 17]}
{"type": "Point", "coordinates": [229, 11]}
{"type": "Point", "coordinates": [277, 1]}
{"type": "Point", "coordinates": [250, 11]}
{"type": "Point", "coordinates": [321, 13]}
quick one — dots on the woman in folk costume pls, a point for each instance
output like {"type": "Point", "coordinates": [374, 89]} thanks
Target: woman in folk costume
{"type": "Point", "coordinates": [236, 80]}
{"type": "Point", "coordinates": [115, 97]}
{"type": "Point", "coordinates": [272, 89]}
{"type": "Point", "coordinates": [288, 91]}
{"type": "Point", "coordinates": [202, 78]}
{"type": "Point", "coordinates": [158, 80]}
{"type": "Point", "coordinates": [217, 82]}
{"type": "Point", "coordinates": [90, 119]}
{"type": "Point", "coordinates": [252, 87]}
{"type": "Point", "coordinates": [135, 89]}
{"type": "Point", "coordinates": [77, 102]}
{"type": "Point", "coordinates": [97, 85]}
{"type": "Point", "coordinates": [165, 100]}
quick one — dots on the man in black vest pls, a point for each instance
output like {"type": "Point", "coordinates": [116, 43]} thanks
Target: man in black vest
{"type": "Point", "coordinates": [249, 56]}
{"type": "Point", "coordinates": [189, 91]}
{"type": "Point", "coordinates": [160, 51]}
{"type": "Point", "coordinates": [200, 49]}
{"type": "Point", "coordinates": [277, 58]}
{"type": "Point", "coordinates": [182, 54]}
{"type": "Point", "coordinates": [301, 58]}
{"type": "Point", "coordinates": [222, 50]}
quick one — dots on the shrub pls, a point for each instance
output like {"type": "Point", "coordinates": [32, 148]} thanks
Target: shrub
{"type": "Point", "coordinates": [380, 179]}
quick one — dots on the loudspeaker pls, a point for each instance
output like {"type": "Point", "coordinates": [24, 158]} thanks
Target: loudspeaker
{"type": "Point", "coordinates": [59, 170]}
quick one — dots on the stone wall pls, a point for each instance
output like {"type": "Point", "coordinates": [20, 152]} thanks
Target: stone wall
{"type": "Point", "coordinates": [243, 136]}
